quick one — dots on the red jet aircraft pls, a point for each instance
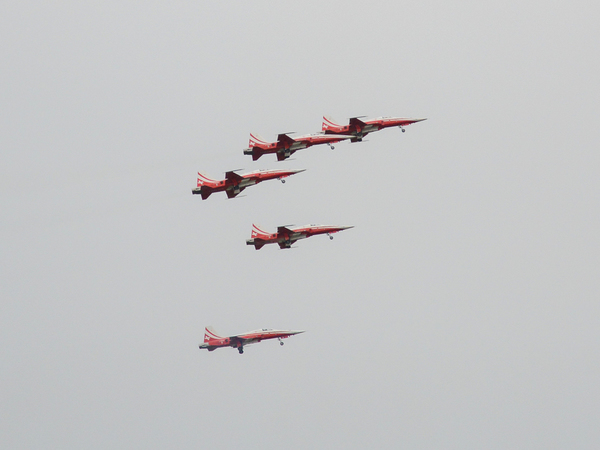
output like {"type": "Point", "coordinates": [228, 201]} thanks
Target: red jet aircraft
{"type": "Point", "coordinates": [285, 237]}
{"type": "Point", "coordinates": [359, 128]}
{"type": "Point", "coordinates": [213, 341]}
{"type": "Point", "coordinates": [286, 145]}
{"type": "Point", "coordinates": [233, 183]}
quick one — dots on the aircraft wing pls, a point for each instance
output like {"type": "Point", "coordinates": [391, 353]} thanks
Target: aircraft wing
{"type": "Point", "coordinates": [358, 123]}
{"type": "Point", "coordinates": [239, 339]}
{"type": "Point", "coordinates": [285, 139]}
{"type": "Point", "coordinates": [233, 177]}
{"type": "Point", "coordinates": [285, 231]}
{"type": "Point", "coordinates": [290, 235]}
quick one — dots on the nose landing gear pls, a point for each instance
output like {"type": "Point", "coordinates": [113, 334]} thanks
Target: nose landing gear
{"type": "Point", "coordinates": [280, 341]}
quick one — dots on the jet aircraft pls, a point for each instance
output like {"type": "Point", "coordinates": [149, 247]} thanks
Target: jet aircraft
{"type": "Point", "coordinates": [285, 237]}
{"type": "Point", "coordinates": [286, 145]}
{"type": "Point", "coordinates": [360, 128]}
{"type": "Point", "coordinates": [233, 183]}
{"type": "Point", "coordinates": [213, 341]}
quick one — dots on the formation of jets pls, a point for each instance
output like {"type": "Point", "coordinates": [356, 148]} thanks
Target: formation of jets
{"type": "Point", "coordinates": [287, 235]}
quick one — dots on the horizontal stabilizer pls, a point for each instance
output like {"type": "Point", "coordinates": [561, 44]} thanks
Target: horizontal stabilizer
{"type": "Point", "coordinates": [255, 152]}
{"type": "Point", "coordinates": [205, 192]}
{"type": "Point", "coordinates": [257, 242]}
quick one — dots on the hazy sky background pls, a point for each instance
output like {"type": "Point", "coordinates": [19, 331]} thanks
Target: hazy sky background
{"type": "Point", "coordinates": [461, 312]}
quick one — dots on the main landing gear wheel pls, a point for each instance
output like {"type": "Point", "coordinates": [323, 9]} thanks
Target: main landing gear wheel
{"type": "Point", "coordinates": [241, 350]}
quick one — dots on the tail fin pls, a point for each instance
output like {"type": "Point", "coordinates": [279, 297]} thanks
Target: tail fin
{"type": "Point", "coordinates": [256, 147]}
{"type": "Point", "coordinates": [329, 124]}
{"type": "Point", "coordinates": [205, 186]}
{"type": "Point", "coordinates": [258, 233]}
{"type": "Point", "coordinates": [256, 141]}
{"type": "Point", "coordinates": [203, 179]}
{"type": "Point", "coordinates": [210, 334]}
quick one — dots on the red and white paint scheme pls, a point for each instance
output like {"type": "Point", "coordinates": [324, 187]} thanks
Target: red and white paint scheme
{"type": "Point", "coordinates": [213, 341]}
{"type": "Point", "coordinates": [360, 128]}
{"type": "Point", "coordinates": [285, 236]}
{"type": "Point", "coordinates": [233, 183]}
{"type": "Point", "coordinates": [286, 145]}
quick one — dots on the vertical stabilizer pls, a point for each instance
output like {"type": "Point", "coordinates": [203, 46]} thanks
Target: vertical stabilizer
{"type": "Point", "coordinates": [329, 125]}
{"type": "Point", "coordinates": [257, 233]}
{"type": "Point", "coordinates": [256, 141]}
{"type": "Point", "coordinates": [204, 180]}
{"type": "Point", "coordinates": [210, 334]}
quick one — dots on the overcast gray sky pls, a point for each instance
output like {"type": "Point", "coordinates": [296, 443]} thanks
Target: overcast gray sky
{"type": "Point", "coordinates": [461, 312]}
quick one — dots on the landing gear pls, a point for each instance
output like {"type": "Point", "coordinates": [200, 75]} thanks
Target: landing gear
{"type": "Point", "coordinates": [280, 341]}
{"type": "Point", "coordinates": [282, 180]}
{"type": "Point", "coordinates": [330, 237]}
{"type": "Point", "coordinates": [403, 130]}
{"type": "Point", "coordinates": [331, 146]}
{"type": "Point", "coordinates": [241, 350]}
